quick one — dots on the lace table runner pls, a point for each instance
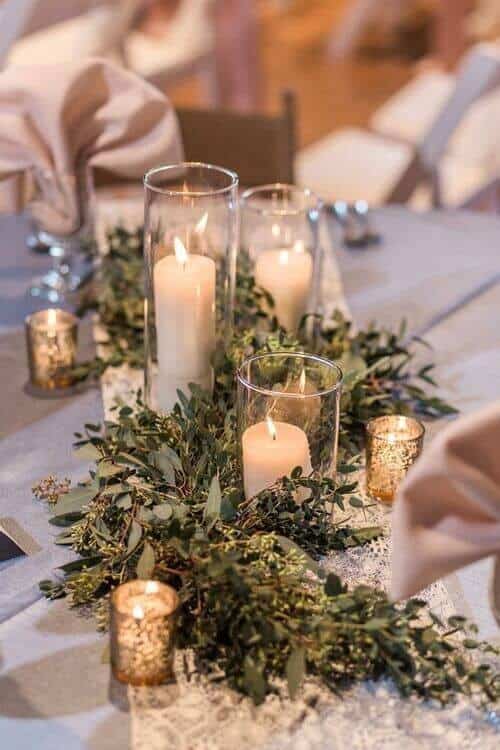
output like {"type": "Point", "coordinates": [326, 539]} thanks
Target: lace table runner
{"type": "Point", "coordinates": [194, 714]}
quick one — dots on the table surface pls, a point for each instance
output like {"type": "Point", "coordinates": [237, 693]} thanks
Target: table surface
{"type": "Point", "coordinates": [54, 689]}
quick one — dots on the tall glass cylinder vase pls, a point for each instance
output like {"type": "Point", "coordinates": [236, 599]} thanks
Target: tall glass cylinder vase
{"type": "Point", "coordinates": [191, 244]}
{"type": "Point", "coordinates": [288, 416]}
{"type": "Point", "coordinates": [280, 238]}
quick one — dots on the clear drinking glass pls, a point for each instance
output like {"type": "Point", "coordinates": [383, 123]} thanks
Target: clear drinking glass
{"type": "Point", "coordinates": [288, 416]}
{"type": "Point", "coordinates": [280, 238]}
{"type": "Point", "coordinates": [66, 275]}
{"type": "Point", "coordinates": [191, 244]}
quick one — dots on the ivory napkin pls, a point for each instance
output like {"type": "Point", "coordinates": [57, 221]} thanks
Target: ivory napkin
{"type": "Point", "coordinates": [447, 513]}
{"type": "Point", "coordinates": [58, 121]}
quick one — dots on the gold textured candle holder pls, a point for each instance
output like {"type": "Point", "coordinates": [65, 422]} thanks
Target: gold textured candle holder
{"type": "Point", "coordinates": [393, 444]}
{"type": "Point", "coordinates": [51, 339]}
{"type": "Point", "coordinates": [142, 632]}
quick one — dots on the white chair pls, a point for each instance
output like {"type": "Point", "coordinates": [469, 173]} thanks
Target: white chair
{"type": "Point", "coordinates": [354, 163]}
{"type": "Point", "coordinates": [410, 112]}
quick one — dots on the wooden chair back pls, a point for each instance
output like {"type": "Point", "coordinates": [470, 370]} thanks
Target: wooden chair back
{"type": "Point", "coordinates": [259, 148]}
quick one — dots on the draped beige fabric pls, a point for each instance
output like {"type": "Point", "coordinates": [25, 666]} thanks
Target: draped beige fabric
{"type": "Point", "coordinates": [447, 513]}
{"type": "Point", "coordinates": [56, 121]}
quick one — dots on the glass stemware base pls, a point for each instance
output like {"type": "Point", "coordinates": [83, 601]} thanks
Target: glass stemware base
{"type": "Point", "coordinates": [64, 277]}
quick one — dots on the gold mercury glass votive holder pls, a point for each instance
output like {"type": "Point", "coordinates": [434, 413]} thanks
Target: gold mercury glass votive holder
{"type": "Point", "coordinates": [51, 339]}
{"type": "Point", "coordinates": [142, 632]}
{"type": "Point", "coordinates": [393, 444]}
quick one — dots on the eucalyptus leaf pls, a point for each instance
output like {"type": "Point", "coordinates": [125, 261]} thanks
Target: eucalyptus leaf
{"type": "Point", "coordinates": [87, 452]}
{"type": "Point", "coordinates": [287, 545]}
{"type": "Point", "coordinates": [214, 500]}
{"type": "Point", "coordinates": [124, 502]}
{"type": "Point", "coordinates": [295, 671]}
{"type": "Point", "coordinates": [164, 511]}
{"type": "Point", "coordinates": [106, 469]}
{"type": "Point", "coordinates": [134, 537]}
{"type": "Point", "coordinates": [146, 563]}
{"type": "Point", "coordinates": [76, 499]}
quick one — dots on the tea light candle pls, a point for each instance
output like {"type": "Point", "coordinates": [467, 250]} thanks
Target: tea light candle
{"type": "Point", "coordinates": [51, 339]}
{"type": "Point", "coordinates": [271, 450]}
{"type": "Point", "coordinates": [393, 444]}
{"type": "Point", "coordinates": [142, 632]}
{"type": "Point", "coordinates": [287, 275]}
{"type": "Point", "coordinates": [184, 289]}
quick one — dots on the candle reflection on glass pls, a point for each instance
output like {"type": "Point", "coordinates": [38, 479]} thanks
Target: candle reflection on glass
{"type": "Point", "coordinates": [142, 632]}
{"type": "Point", "coordinates": [286, 273]}
{"type": "Point", "coordinates": [184, 291]}
{"type": "Point", "coordinates": [51, 338]}
{"type": "Point", "coordinates": [272, 450]}
{"type": "Point", "coordinates": [393, 444]}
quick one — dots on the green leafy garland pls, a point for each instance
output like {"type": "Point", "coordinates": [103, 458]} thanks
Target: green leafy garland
{"type": "Point", "coordinates": [165, 499]}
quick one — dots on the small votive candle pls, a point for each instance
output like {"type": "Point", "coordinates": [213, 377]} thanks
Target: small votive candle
{"type": "Point", "coordinates": [393, 444]}
{"type": "Point", "coordinates": [142, 632]}
{"type": "Point", "coordinates": [51, 339]}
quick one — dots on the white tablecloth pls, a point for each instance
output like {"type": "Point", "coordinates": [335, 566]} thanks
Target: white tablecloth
{"type": "Point", "coordinates": [54, 690]}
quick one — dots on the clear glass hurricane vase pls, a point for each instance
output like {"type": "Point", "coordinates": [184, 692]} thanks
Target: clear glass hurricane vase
{"type": "Point", "coordinates": [191, 243]}
{"type": "Point", "coordinates": [288, 416]}
{"type": "Point", "coordinates": [280, 240]}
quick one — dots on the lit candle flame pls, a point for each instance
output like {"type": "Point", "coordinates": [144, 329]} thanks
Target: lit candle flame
{"type": "Point", "coordinates": [283, 257]}
{"type": "Point", "coordinates": [151, 587]}
{"type": "Point", "coordinates": [302, 382]}
{"type": "Point", "coordinates": [138, 612]}
{"type": "Point", "coordinates": [181, 253]}
{"type": "Point", "coordinates": [276, 230]}
{"type": "Point", "coordinates": [271, 428]}
{"type": "Point", "coordinates": [202, 224]}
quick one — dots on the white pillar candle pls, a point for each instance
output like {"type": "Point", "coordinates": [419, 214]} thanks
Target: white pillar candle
{"type": "Point", "coordinates": [272, 450]}
{"type": "Point", "coordinates": [184, 290]}
{"type": "Point", "coordinates": [287, 276]}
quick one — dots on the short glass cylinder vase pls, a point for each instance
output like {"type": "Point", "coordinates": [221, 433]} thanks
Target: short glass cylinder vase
{"type": "Point", "coordinates": [393, 444]}
{"type": "Point", "coordinates": [191, 243]}
{"type": "Point", "coordinates": [288, 417]}
{"type": "Point", "coordinates": [280, 239]}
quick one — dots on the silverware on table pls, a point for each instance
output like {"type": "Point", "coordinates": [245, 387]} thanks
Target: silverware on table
{"type": "Point", "coordinates": [355, 221]}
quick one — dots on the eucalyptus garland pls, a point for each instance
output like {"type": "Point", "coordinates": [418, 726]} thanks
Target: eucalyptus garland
{"type": "Point", "coordinates": [164, 499]}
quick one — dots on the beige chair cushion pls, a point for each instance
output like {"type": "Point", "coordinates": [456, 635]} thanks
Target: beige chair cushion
{"type": "Point", "coordinates": [410, 112]}
{"type": "Point", "coordinates": [351, 164]}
